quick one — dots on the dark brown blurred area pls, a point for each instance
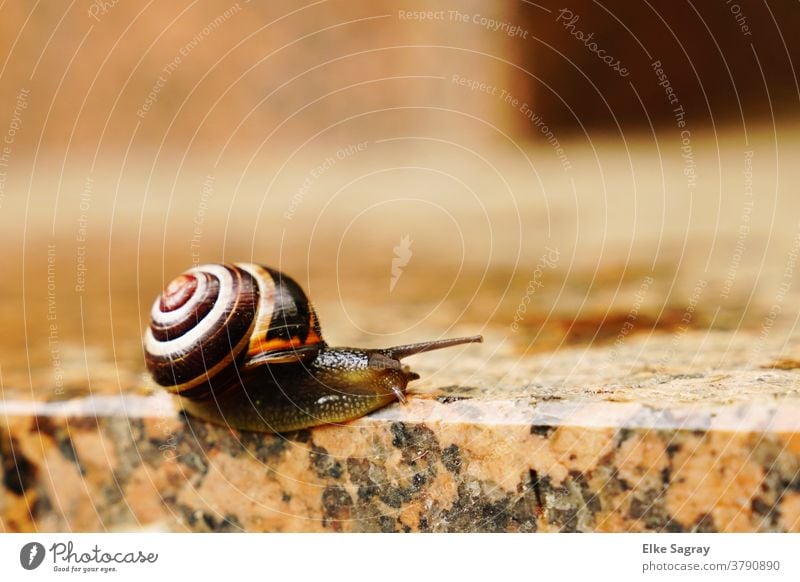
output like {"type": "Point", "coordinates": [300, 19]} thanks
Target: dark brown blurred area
{"type": "Point", "coordinates": [205, 75]}
{"type": "Point", "coordinates": [728, 62]}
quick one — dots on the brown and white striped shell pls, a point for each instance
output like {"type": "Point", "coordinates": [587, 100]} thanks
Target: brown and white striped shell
{"type": "Point", "coordinates": [215, 320]}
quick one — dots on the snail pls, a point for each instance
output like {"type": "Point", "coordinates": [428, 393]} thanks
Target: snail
{"type": "Point", "coordinates": [241, 346]}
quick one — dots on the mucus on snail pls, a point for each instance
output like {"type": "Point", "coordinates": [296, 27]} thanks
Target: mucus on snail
{"type": "Point", "coordinates": [241, 346]}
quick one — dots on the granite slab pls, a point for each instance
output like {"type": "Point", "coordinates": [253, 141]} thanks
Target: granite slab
{"type": "Point", "coordinates": [713, 447]}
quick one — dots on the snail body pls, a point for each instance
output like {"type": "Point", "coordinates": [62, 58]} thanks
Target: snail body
{"type": "Point", "coordinates": [241, 346]}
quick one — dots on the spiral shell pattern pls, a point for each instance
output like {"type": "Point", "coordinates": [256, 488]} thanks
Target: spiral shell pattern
{"type": "Point", "coordinates": [213, 320]}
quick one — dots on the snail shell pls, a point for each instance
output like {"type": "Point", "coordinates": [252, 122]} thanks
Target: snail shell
{"type": "Point", "coordinates": [214, 321]}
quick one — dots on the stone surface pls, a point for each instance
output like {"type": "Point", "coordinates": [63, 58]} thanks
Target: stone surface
{"type": "Point", "coordinates": [698, 446]}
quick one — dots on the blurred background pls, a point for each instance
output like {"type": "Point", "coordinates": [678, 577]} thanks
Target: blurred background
{"type": "Point", "coordinates": [521, 169]}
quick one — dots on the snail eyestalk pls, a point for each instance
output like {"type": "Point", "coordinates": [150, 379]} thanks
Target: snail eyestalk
{"type": "Point", "coordinates": [400, 352]}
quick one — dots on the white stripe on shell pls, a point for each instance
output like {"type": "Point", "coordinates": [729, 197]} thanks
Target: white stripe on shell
{"type": "Point", "coordinates": [208, 374]}
{"type": "Point", "coordinates": [266, 302]}
{"type": "Point", "coordinates": [170, 318]}
{"type": "Point", "coordinates": [183, 344]}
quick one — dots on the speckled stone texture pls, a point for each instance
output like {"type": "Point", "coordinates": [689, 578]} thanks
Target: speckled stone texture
{"type": "Point", "coordinates": [712, 447]}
